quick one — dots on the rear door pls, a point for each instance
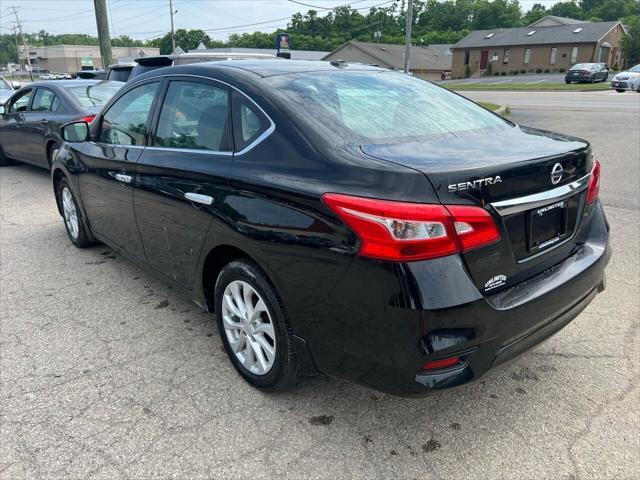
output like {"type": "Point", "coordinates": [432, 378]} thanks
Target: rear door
{"type": "Point", "coordinates": [181, 176]}
{"type": "Point", "coordinates": [43, 107]}
{"type": "Point", "coordinates": [107, 183]}
{"type": "Point", "coordinates": [12, 127]}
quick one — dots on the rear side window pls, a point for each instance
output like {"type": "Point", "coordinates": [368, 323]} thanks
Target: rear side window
{"type": "Point", "coordinates": [44, 101]}
{"type": "Point", "coordinates": [248, 122]}
{"type": "Point", "coordinates": [21, 102]}
{"type": "Point", "coordinates": [126, 120]}
{"type": "Point", "coordinates": [194, 116]}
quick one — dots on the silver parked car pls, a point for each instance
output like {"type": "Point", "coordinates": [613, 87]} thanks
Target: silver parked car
{"type": "Point", "coordinates": [7, 89]}
{"type": "Point", "coordinates": [629, 80]}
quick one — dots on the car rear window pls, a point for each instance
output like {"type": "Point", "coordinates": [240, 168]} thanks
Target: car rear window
{"type": "Point", "coordinates": [382, 107]}
{"type": "Point", "coordinates": [95, 95]}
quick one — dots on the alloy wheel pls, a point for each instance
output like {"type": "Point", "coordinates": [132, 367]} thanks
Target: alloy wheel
{"type": "Point", "coordinates": [249, 328]}
{"type": "Point", "coordinates": [70, 212]}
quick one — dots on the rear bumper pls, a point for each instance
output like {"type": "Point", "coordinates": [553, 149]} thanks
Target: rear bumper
{"type": "Point", "coordinates": [387, 320]}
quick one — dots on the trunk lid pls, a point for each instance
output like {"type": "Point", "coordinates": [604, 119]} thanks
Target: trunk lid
{"type": "Point", "coordinates": [514, 174]}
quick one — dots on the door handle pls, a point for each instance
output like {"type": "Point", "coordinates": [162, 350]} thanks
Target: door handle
{"type": "Point", "coordinates": [198, 198]}
{"type": "Point", "coordinates": [121, 177]}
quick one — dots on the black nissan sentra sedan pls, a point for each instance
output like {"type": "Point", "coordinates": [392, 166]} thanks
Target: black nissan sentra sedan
{"type": "Point", "coordinates": [341, 218]}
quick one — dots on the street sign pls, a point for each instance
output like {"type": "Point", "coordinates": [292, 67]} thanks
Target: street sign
{"type": "Point", "coordinates": [86, 62]}
{"type": "Point", "coordinates": [282, 42]}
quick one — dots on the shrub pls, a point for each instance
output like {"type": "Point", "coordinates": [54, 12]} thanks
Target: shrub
{"type": "Point", "coordinates": [489, 71]}
{"type": "Point", "coordinates": [467, 72]}
{"type": "Point", "coordinates": [523, 71]}
{"type": "Point", "coordinates": [503, 73]}
{"type": "Point", "coordinates": [538, 70]}
{"type": "Point", "coordinates": [562, 70]}
{"type": "Point", "coordinates": [515, 72]}
{"type": "Point", "coordinates": [546, 70]}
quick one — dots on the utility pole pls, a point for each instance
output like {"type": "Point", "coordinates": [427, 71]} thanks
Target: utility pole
{"type": "Point", "coordinates": [104, 38]}
{"type": "Point", "coordinates": [407, 38]}
{"type": "Point", "coordinates": [24, 44]}
{"type": "Point", "coordinates": [15, 33]}
{"type": "Point", "coordinates": [173, 33]}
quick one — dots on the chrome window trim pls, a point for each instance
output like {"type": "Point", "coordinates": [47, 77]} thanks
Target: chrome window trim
{"type": "Point", "coordinates": [528, 202]}
{"type": "Point", "coordinates": [263, 136]}
{"type": "Point", "coordinates": [190, 150]}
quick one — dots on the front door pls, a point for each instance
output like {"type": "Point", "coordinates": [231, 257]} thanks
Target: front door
{"type": "Point", "coordinates": [181, 177]}
{"type": "Point", "coordinates": [110, 161]}
{"type": "Point", "coordinates": [12, 126]}
{"type": "Point", "coordinates": [484, 59]}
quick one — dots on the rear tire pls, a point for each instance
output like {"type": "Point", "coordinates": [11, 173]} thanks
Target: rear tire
{"type": "Point", "coordinates": [567, 82]}
{"type": "Point", "coordinates": [4, 160]}
{"type": "Point", "coordinates": [73, 221]}
{"type": "Point", "coordinates": [619, 90]}
{"type": "Point", "coordinates": [254, 328]}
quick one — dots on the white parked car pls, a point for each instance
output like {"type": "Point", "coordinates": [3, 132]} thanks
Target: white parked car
{"type": "Point", "coordinates": [47, 76]}
{"type": "Point", "coordinates": [629, 80]}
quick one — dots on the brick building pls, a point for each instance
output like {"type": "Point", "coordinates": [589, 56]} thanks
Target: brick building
{"type": "Point", "coordinates": [425, 62]}
{"type": "Point", "coordinates": [551, 44]}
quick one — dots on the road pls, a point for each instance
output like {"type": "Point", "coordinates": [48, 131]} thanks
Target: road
{"type": "Point", "coordinates": [106, 373]}
{"type": "Point", "coordinates": [531, 78]}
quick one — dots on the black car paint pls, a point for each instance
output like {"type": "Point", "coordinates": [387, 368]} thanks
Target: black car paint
{"type": "Point", "coordinates": [591, 76]}
{"type": "Point", "coordinates": [369, 321]}
{"type": "Point", "coordinates": [28, 136]}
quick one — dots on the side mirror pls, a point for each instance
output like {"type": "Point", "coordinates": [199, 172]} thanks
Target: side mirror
{"type": "Point", "coordinates": [75, 132]}
{"type": "Point", "coordinates": [2, 110]}
{"type": "Point", "coordinates": [16, 85]}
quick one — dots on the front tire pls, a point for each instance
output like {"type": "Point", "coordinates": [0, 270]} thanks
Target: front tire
{"type": "Point", "coordinates": [254, 328]}
{"type": "Point", "coordinates": [4, 160]}
{"type": "Point", "coordinates": [73, 221]}
{"type": "Point", "coordinates": [619, 90]}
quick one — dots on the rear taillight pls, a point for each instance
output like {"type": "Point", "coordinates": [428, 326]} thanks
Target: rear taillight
{"type": "Point", "coordinates": [442, 363]}
{"type": "Point", "coordinates": [88, 119]}
{"type": "Point", "coordinates": [402, 231]}
{"type": "Point", "coordinates": [594, 183]}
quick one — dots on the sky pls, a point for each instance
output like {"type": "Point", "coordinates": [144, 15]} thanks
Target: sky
{"type": "Point", "coordinates": [145, 19]}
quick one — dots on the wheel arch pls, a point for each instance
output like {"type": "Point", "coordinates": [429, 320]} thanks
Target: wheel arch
{"type": "Point", "coordinates": [47, 149]}
{"type": "Point", "coordinates": [56, 177]}
{"type": "Point", "coordinates": [214, 262]}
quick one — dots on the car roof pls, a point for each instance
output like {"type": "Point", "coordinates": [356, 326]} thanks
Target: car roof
{"type": "Point", "coordinates": [70, 83]}
{"type": "Point", "coordinates": [264, 67]}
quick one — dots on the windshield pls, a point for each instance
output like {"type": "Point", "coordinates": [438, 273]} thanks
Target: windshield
{"type": "Point", "coordinates": [95, 95]}
{"type": "Point", "coordinates": [635, 69]}
{"type": "Point", "coordinates": [383, 107]}
{"type": "Point", "coordinates": [5, 87]}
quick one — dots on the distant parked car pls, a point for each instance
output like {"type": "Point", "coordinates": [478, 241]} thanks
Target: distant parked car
{"type": "Point", "coordinates": [145, 64]}
{"type": "Point", "coordinates": [628, 80]}
{"type": "Point", "coordinates": [587, 72]}
{"type": "Point", "coordinates": [120, 72]}
{"type": "Point", "coordinates": [92, 74]}
{"type": "Point", "coordinates": [31, 118]}
{"type": "Point", "coordinates": [48, 76]}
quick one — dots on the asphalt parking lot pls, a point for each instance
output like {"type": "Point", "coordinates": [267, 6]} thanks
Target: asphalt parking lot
{"type": "Point", "coordinates": [106, 373]}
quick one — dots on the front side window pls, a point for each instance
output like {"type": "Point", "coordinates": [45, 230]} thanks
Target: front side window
{"type": "Point", "coordinates": [194, 115]}
{"type": "Point", "coordinates": [381, 107]}
{"type": "Point", "coordinates": [44, 101]}
{"type": "Point", "coordinates": [248, 122]}
{"type": "Point", "coordinates": [21, 102]}
{"type": "Point", "coordinates": [126, 120]}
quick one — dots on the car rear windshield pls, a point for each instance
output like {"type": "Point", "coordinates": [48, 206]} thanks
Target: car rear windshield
{"type": "Point", "coordinates": [95, 95]}
{"type": "Point", "coordinates": [383, 107]}
{"type": "Point", "coordinates": [583, 66]}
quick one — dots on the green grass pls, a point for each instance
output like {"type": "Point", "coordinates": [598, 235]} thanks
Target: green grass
{"type": "Point", "coordinates": [572, 87]}
{"type": "Point", "coordinates": [491, 106]}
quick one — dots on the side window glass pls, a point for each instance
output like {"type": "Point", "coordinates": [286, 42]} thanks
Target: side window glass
{"type": "Point", "coordinates": [43, 100]}
{"type": "Point", "coordinates": [194, 115]}
{"type": "Point", "coordinates": [21, 103]}
{"type": "Point", "coordinates": [126, 120]}
{"type": "Point", "coordinates": [249, 122]}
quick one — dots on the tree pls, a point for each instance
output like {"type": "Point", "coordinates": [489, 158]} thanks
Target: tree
{"type": "Point", "coordinates": [631, 41]}
{"type": "Point", "coordinates": [567, 9]}
{"type": "Point", "coordinates": [536, 13]}
{"type": "Point", "coordinates": [185, 39]}
{"type": "Point", "coordinates": [125, 41]}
